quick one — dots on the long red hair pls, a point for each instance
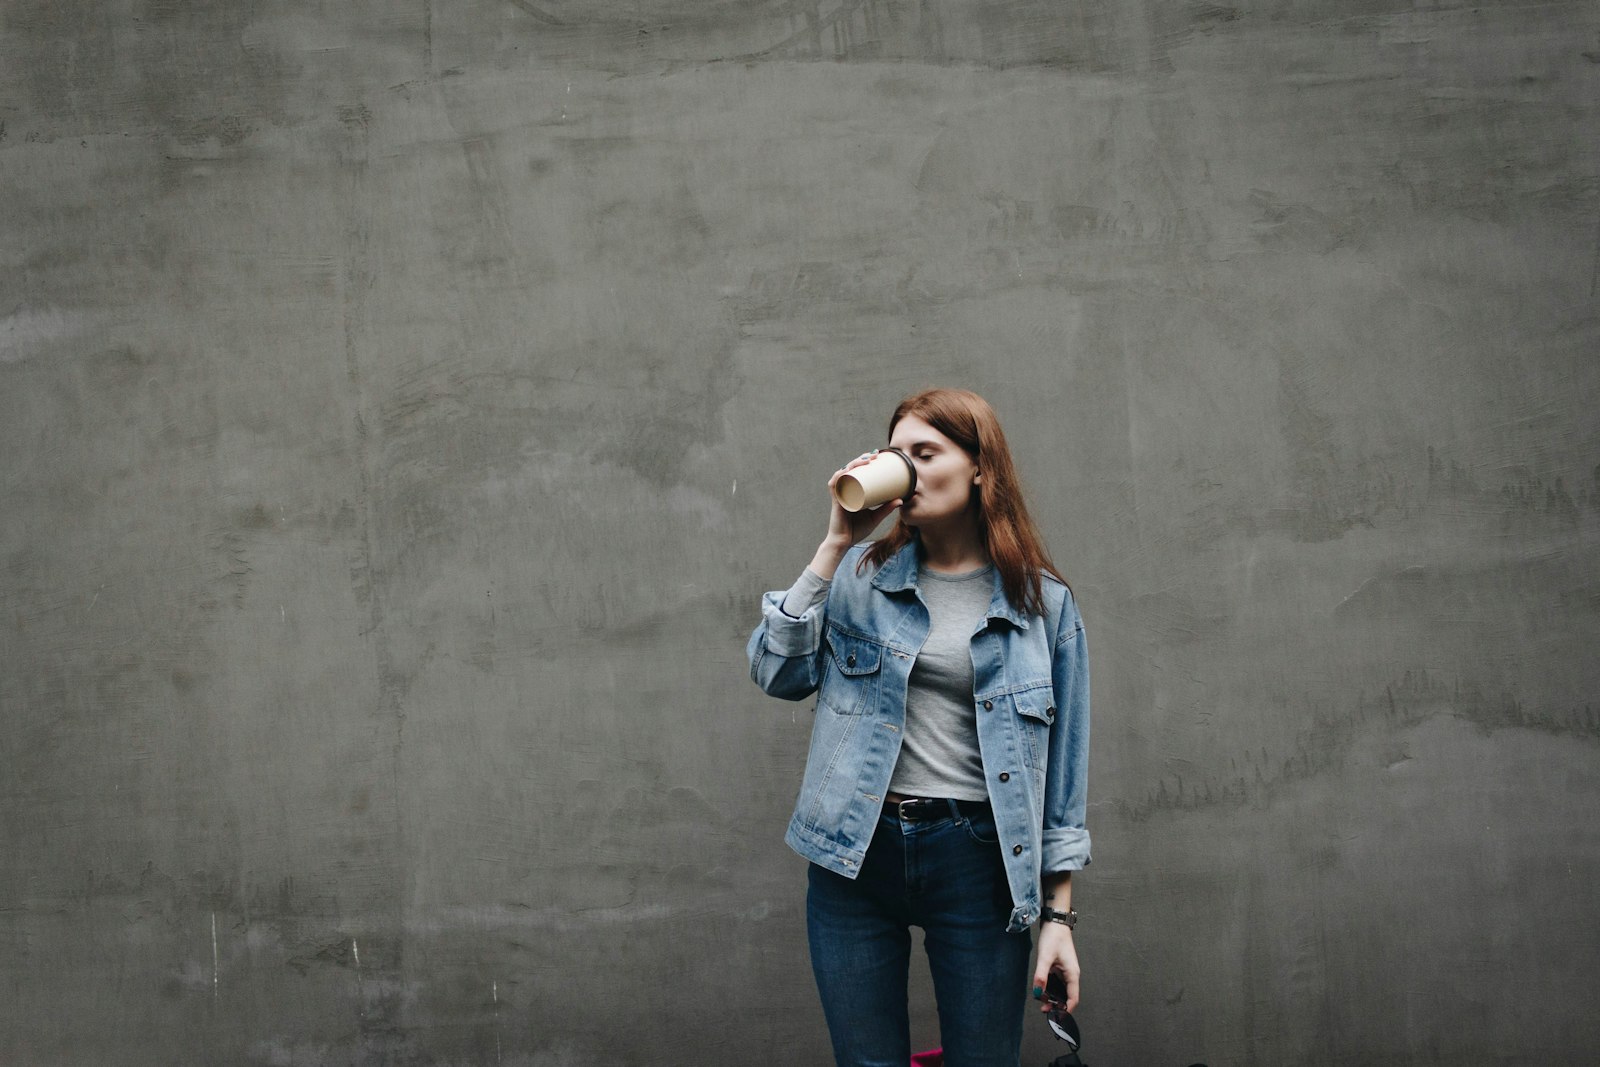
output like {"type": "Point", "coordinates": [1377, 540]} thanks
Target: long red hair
{"type": "Point", "coordinates": [1009, 535]}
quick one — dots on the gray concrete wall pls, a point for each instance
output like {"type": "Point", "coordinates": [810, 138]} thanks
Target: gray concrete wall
{"type": "Point", "coordinates": [403, 406]}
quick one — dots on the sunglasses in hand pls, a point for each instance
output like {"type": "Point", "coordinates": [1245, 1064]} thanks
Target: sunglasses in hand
{"type": "Point", "coordinates": [1060, 1019]}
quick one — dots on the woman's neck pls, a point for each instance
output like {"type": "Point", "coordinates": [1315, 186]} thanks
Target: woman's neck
{"type": "Point", "coordinates": [953, 549]}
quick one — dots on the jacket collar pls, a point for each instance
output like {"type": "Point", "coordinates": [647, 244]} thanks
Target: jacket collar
{"type": "Point", "coordinates": [899, 573]}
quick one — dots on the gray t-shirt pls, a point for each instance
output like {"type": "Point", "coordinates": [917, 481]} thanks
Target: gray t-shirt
{"type": "Point", "coordinates": [939, 755]}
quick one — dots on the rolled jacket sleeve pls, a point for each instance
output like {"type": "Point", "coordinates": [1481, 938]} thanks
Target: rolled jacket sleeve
{"type": "Point", "coordinates": [784, 649]}
{"type": "Point", "coordinates": [1066, 841]}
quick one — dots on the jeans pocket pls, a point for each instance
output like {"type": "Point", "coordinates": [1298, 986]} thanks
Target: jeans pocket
{"type": "Point", "coordinates": [982, 828]}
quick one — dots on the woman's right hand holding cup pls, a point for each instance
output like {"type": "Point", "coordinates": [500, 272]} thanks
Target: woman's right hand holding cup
{"type": "Point", "coordinates": [847, 528]}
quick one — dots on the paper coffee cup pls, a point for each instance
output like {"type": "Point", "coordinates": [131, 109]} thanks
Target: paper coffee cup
{"type": "Point", "coordinates": [888, 474]}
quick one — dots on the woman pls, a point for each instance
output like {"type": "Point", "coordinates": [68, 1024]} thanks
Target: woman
{"type": "Point", "coordinates": [945, 783]}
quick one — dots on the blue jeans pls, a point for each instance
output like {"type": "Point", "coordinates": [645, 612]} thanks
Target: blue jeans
{"type": "Point", "coordinates": [945, 875]}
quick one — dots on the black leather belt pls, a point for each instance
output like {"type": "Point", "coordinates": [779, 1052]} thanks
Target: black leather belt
{"type": "Point", "coordinates": [919, 809]}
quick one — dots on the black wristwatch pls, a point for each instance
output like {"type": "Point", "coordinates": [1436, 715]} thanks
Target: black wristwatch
{"type": "Point", "coordinates": [1068, 918]}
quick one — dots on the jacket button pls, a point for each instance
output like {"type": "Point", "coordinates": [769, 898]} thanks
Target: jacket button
{"type": "Point", "coordinates": [988, 705]}
{"type": "Point", "coordinates": [1051, 710]}
{"type": "Point", "coordinates": [850, 660]}
{"type": "Point", "coordinates": [1016, 850]}
{"type": "Point", "coordinates": [1005, 776]}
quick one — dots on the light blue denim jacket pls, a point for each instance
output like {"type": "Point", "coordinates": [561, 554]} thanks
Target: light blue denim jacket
{"type": "Point", "coordinates": [1030, 696]}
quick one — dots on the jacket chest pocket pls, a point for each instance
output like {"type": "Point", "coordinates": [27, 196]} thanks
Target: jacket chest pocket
{"type": "Point", "coordinates": [850, 683]}
{"type": "Point", "coordinates": [1036, 713]}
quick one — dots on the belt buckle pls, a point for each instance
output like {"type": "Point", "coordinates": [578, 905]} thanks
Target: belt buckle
{"type": "Point", "coordinates": [910, 802]}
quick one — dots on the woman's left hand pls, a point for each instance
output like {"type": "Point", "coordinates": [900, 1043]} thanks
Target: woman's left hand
{"type": "Point", "coordinates": [1058, 953]}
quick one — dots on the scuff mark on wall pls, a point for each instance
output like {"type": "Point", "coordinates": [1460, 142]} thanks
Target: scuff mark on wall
{"type": "Point", "coordinates": [1258, 777]}
{"type": "Point", "coordinates": [24, 332]}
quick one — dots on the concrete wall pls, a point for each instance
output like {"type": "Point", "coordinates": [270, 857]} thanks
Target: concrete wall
{"type": "Point", "coordinates": [403, 406]}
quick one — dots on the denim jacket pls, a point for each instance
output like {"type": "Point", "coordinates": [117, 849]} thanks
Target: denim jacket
{"type": "Point", "coordinates": [1030, 696]}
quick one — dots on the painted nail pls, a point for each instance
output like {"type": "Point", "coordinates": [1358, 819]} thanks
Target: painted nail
{"type": "Point", "coordinates": [1038, 991]}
